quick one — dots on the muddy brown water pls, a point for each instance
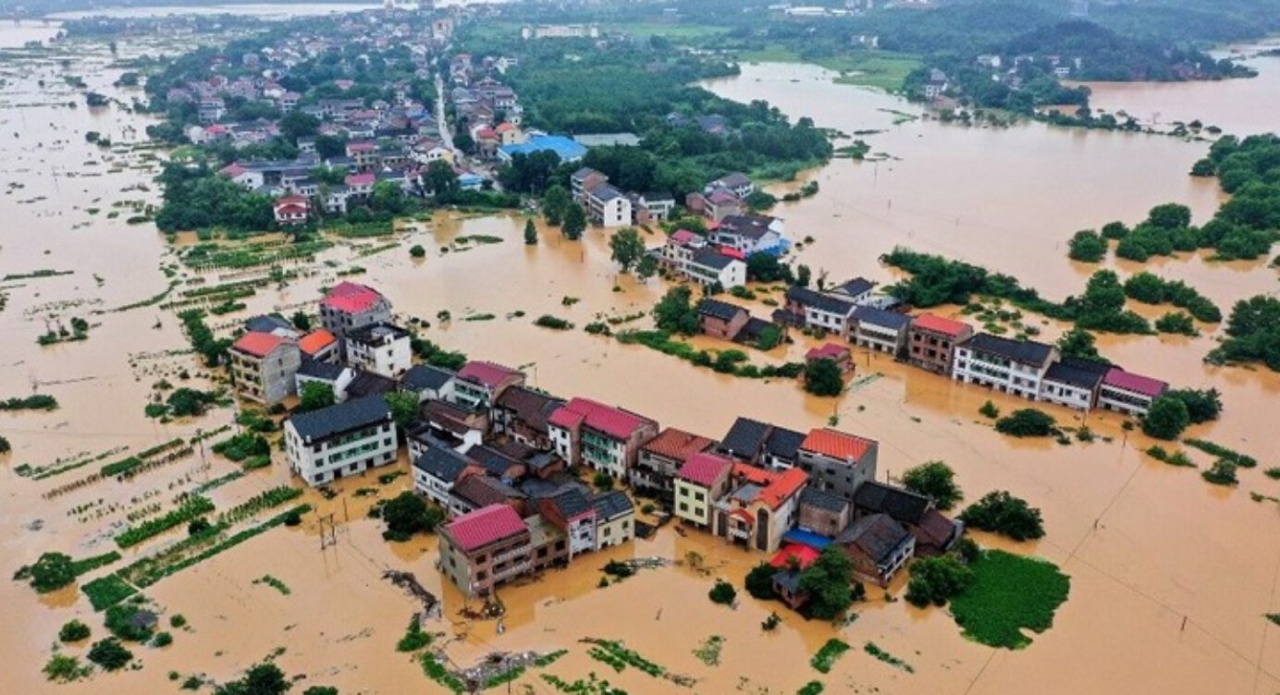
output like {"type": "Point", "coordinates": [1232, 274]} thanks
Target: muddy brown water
{"type": "Point", "coordinates": [1147, 546]}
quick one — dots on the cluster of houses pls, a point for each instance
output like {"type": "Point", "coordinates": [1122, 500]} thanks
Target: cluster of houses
{"type": "Point", "coordinates": [505, 460]}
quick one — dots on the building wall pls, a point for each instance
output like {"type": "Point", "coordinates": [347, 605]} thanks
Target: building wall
{"type": "Point", "coordinates": [1066, 394]}
{"type": "Point", "coordinates": [270, 379]}
{"type": "Point", "coordinates": [324, 461]}
{"type": "Point", "coordinates": [693, 503]}
{"type": "Point", "coordinates": [834, 475]}
{"type": "Point", "coordinates": [866, 569]}
{"type": "Point", "coordinates": [998, 373]}
{"type": "Point", "coordinates": [719, 328]}
{"type": "Point", "coordinates": [933, 351]}
{"type": "Point", "coordinates": [1123, 401]}
{"type": "Point", "coordinates": [390, 359]}
{"type": "Point", "coordinates": [616, 531]}
{"type": "Point", "coordinates": [878, 338]}
{"type": "Point", "coordinates": [825, 522]}
{"type": "Point", "coordinates": [432, 487]}
{"type": "Point", "coordinates": [653, 471]}
{"type": "Point", "coordinates": [478, 572]}
{"type": "Point", "coordinates": [339, 322]}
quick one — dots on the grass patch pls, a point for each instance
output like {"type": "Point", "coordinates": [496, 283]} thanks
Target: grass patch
{"type": "Point", "coordinates": [709, 651]}
{"type": "Point", "coordinates": [437, 672]}
{"type": "Point", "coordinates": [107, 591]}
{"type": "Point", "coordinates": [811, 688]}
{"type": "Point", "coordinates": [1009, 593]}
{"type": "Point", "coordinates": [828, 654]}
{"type": "Point", "coordinates": [1222, 452]}
{"type": "Point", "coordinates": [886, 657]}
{"type": "Point", "coordinates": [414, 638]}
{"type": "Point", "coordinates": [1273, 473]}
{"type": "Point", "coordinates": [1177, 458]}
{"type": "Point", "coordinates": [613, 653]}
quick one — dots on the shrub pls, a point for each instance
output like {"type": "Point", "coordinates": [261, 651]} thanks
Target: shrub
{"type": "Point", "coordinates": [826, 582]}
{"type": "Point", "coordinates": [1000, 512]}
{"type": "Point", "coordinates": [162, 639]}
{"type": "Point", "coordinates": [1166, 418]}
{"type": "Point", "coordinates": [827, 655]}
{"type": "Point", "coordinates": [73, 631]}
{"type": "Point", "coordinates": [52, 572]}
{"type": "Point", "coordinates": [935, 580]}
{"type": "Point", "coordinates": [64, 669]}
{"type": "Point", "coordinates": [5, 446]}
{"type": "Point", "coordinates": [1087, 246]}
{"type": "Point", "coordinates": [723, 593]}
{"type": "Point", "coordinates": [1027, 422]}
{"type": "Point", "coordinates": [553, 322]}
{"type": "Point", "coordinates": [934, 479]}
{"type": "Point", "coordinates": [1222, 472]}
{"type": "Point", "coordinates": [110, 654]}
{"type": "Point", "coordinates": [823, 378]}
{"type": "Point", "coordinates": [602, 481]}
{"type": "Point", "coordinates": [1176, 322]}
{"type": "Point", "coordinates": [414, 638]}
{"type": "Point", "coordinates": [759, 581]}
{"type": "Point", "coordinates": [407, 514]}
{"type": "Point", "coordinates": [128, 622]}
{"type": "Point", "coordinates": [989, 410]}
{"type": "Point", "coordinates": [416, 251]}
{"type": "Point", "coordinates": [178, 621]}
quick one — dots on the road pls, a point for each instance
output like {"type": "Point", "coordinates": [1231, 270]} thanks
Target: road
{"type": "Point", "coordinates": [446, 133]}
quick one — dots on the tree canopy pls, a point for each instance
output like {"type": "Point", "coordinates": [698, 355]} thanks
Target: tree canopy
{"type": "Point", "coordinates": [1001, 512]}
{"type": "Point", "coordinates": [934, 479]}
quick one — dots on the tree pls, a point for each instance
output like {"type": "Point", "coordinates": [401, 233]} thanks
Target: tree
{"type": "Point", "coordinates": [627, 247]}
{"type": "Point", "coordinates": [1027, 422]}
{"type": "Point", "coordinates": [1202, 405]}
{"type": "Point", "coordinates": [417, 251]}
{"type": "Point", "coordinates": [555, 203]}
{"type": "Point", "coordinates": [301, 321]}
{"type": "Point", "coordinates": [722, 593]}
{"type": "Point", "coordinates": [575, 223]}
{"type": "Point", "coordinates": [803, 275]}
{"type": "Point", "coordinates": [934, 479]}
{"type": "Point", "coordinates": [440, 180]}
{"type": "Point", "coordinates": [826, 582]}
{"type": "Point", "coordinates": [530, 233]}
{"type": "Point", "coordinates": [674, 313]}
{"type": "Point", "coordinates": [321, 690]}
{"type": "Point", "coordinates": [51, 572]}
{"type": "Point", "coordinates": [5, 447]}
{"type": "Point", "coordinates": [935, 580]}
{"type": "Point", "coordinates": [110, 654]}
{"type": "Point", "coordinates": [823, 378]}
{"type": "Point", "coordinates": [1087, 246]}
{"type": "Point", "coordinates": [314, 396]}
{"type": "Point", "coordinates": [759, 582]}
{"type": "Point", "coordinates": [1000, 512]}
{"type": "Point", "coordinates": [73, 631]}
{"type": "Point", "coordinates": [1114, 230]}
{"type": "Point", "coordinates": [1078, 342]}
{"type": "Point", "coordinates": [404, 407]}
{"type": "Point", "coordinates": [1169, 216]}
{"type": "Point", "coordinates": [769, 337]}
{"type": "Point", "coordinates": [647, 267]}
{"type": "Point", "coordinates": [408, 514]}
{"type": "Point", "coordinates": [764, 267]}
{"type": "Point", "coordinates": [989, 410]}
{"type": "Point", "coordinates": [388, 197]}
{"type": "Point", "coordinates": [263, 679]}
{"type": "Point", "coordinates": [330, 146]}
{"type": "Point", "coordinates": [1166, 418]}
{"type": "Point", "coordinates": [297, 124]}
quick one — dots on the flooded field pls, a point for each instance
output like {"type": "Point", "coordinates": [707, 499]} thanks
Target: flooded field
{"type": "Point", "coordinates": [1170, 577]}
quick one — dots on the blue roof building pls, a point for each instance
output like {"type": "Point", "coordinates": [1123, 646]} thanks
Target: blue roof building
{"type": "Point", "coordinates": [568, 150]}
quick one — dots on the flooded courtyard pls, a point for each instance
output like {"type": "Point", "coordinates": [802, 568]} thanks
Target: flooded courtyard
{"type": "Point", "coordinates": [1170, 577]}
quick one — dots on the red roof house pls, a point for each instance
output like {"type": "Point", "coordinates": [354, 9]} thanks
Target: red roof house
{"type": "Point", "coordinates": [704, 469]}
{"type": "Point", "coordinates": [351, 297]}
{"type": "Point", "coordinates": [836, 444]}
{"type": "Point", "coordinates": [802, 554]}
{"type": "Point", "coordinates": [937, 324]}
{"type": "Point", "coordinates": [258, 344]}
{"type": "Point", "coordinates": [612, 421]}
{"type": "Point", "coordinates": [486, 525]}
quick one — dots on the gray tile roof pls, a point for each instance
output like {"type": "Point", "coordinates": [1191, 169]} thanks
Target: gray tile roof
{"type": "Point", "coordinates": [784, 443]}
{"type": "Point", "coordinates": [344, 417]}
{"type": "Point", "coordinates": [571, 502]}
{"type": "Point", "coordinates": [902, 505]}
{"type": "Point", "coordinates": [611, 505]}
{"type": "Point", "coordinates": [439, 462]}
{"type": "Point", "coordinates": [879, 317]}
{"type": "Point", "coordinates": [423, 377]}
{"type": "Point", "coordinates": [813, 497]}
{"type": "Point", "coordinates": [822, 302]}
{"type": "Point", "coordinates": [316, 369]}
{"type": "Point", "coordinates": [1023, 351]}
{"type": "Point", "coordinates": [877, 535]}
{"type": "Point", "coordinates": [744, 438]}
{"type": "Point", "coordinates": [719, 310]}
{"type": "Point", "coordinates": [712, 258]}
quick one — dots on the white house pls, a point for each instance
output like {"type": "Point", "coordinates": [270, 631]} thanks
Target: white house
{"type": "Point", "coordinates": [345, 439]}
{"type": "Point", "coordinates": [708, 266]}
{"type": "Point", "coordinates": [877, 329]}
{"type": "Point", "coordinates": [1008, 366]}
{"type": "Point", "coordinates": [435, 471]}
{"type": "Point", "coordinates": [1073, 382]}
{"type": "Point", "coordinates": [826, 312]}
{"type": "Point", "coordinates": [380, 348]}
{"type": "Point", "coordinates": [615, 519]}
{"type": "Point", "coordinates": [335, 376]}
{"type": "Point", "coordinates": [608, 207]}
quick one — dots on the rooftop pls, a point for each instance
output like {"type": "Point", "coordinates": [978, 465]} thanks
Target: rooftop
{"type": "Point", "coordinates": [1022, 351]}
{"type": "Point", "coordinates": [718, 309]}
{"type": "Point", "coordinates": [343, 417]}
{"type": "Point", "coordinates": [612, 504]}
{"type": "Point", "coordinates": [745, 437]}
{"type": "Point", "coordinates": [822, 302]}
{"type": "Point", "coordinates": [903, 505]}
{"type": "Point", "coordinates": [316, 340]}
{"type": "Point", "coordinates": [258, 344]}
{"type": "Point", "coordinates": [877, 535]}
{"type": "Point", "coordinates": [829, 351]}
{"type": "Point", "coordinates": [489, 374]}
{"type": "Point", "coordinates": [565, 148]}
{"type": "Point", "coordinates": [821, 499]}
{"type": "Point", "coordinates": [879, 317]}
{"type": "Point", "coordinates": [703, 469]}
{"type": "Point", "coordinates": [484, 526]}
{"type": "Point", "coordinates": [712, 258]}
{"type": "Point", "coordinates": [677, 444]}
{"type": "Point", "coordinates": [937, 324]}
{"type": "Point", "coordinates": [614, 422]}
{"type": "Point", "coordinates": [836, 444]}
{"type": "Point", "coordinates": [1136, 383]}
{"type": "Point", "coordinates": [441, 462]}
{"type": "Point", "coordinates": [774, 488]}
{"type": "Point", "coordinates": [803, 555]}
{"type": "Point", "coordinates": [350, 297]}
{"type": "Point", "coordinates": [317, 369]}
{"type": "Point", "coordinates": [376, 333]}
{"type": "Point", "coordinates": [422, 377]}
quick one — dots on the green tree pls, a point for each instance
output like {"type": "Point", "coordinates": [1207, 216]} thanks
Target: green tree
{"type": "Point", "coordinates": [764, 267]}
{"type": "Point", "coordinates": [73, 631]}
{"type": "Point", "coordinates": [647, 267]}
{"type": "Point", "coordinates": [404, 407]}
{"type": "Point", "coordinates": [1087, 246]}
{"type": "Point", "coordinates": [1169, 216]}
{"type": "Point", "coordinates": [301, 321]}
{"type": "Point", "coordinates": [530, 233]}
{"type": "Point", "coordinates": [5, 447]}
{"type": "Point", "coordinates": [935, 580]}
{"type": "Point", "coordinates": [1114, 230]}
{"type": "Point", "coordinates": [440, 180]}
{"type": "Point", "coordinates": [1078, 342]}
{"type": "Point", "coordinates": [574, 223]}
{"type": "Point", "coordinates": [823, 378]}
{"type": "Point", "coordinates": [803, 275]}
{"type": "Point", "coordinates": [722, 593]}
{"type": "Point", "coordinates": [1202, 405]}
{"type": "Point", "coordinates": [110, 654]}
{"type": "Point", "coordinates": [555, 203]}
{"type": "Point", "coordinates": [674, 313]}
{"type": "Point", "coordinates": [51, 572]}
{"type": "Point", "coordinates": [934, 479]}
{"type": "Point", "coordinates": [388, 197]}
{"type": "Point", "coordinates": [627, 247]}
{"type": "Point", "coordinates": [407, 514]}
{"type": "Point", "coordinates": [827, 582]}
{"type": "Point", "coordinates": [759, 582]}
{"type": "Point", "coordinates": [1027, 422]}
{"type": "Point", "coordinates": [262, 679]}
{"type": "Point", "coordinates": [1166, 418]}
{"type": "Point", "coordinates": [314, 396]}
{"type": "Point", "coordinates": [297, 124]}
{"type": "Point", "coordinates": [417, 251]}
{"type": "Point", "coordinates": [1001, 512]}
{"type": "Point", "coordinates": [770, 337]}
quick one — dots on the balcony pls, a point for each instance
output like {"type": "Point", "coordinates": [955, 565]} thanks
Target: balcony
{"type": "Point", "coordinates": [737, 532]}
{"type": "Point", "coordinates": [515, 570]}
{"type": "Point", "coordinates": [510, 554]}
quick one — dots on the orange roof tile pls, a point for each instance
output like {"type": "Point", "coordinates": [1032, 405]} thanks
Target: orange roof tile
{"type": "Point", "coordinates": [257, 344]}
{"type": "Point", "coordinates": [835, 444]}
{"type": "Point", "coordinates": [677, 444]}
{"type": "Point", "coordinates": [929, 322]}
{"type": "Point", "coordinates": [316, 340]}
{"type": "Point", "coordinates": [776, 487]}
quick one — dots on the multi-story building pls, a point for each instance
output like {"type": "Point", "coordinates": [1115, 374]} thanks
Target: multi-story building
{"type": "Point", "coordinates": [932, 340]}
{"type": "Point", "coordinates": [761, 506]}
{"type": "Point", "coordinates": [571, 512]}
{"type": "Point", "coordinates": [877, 329]}
{"type": "Point", "coordinates": [428, 382]}
{"type": "Point", "coordinates": [380, 348]}
{"type": "Point", "coordinates": [345, 439]}
{"type": "Point", "coordinates": [481, 549]}
{"type": "Point", "coordinates": [1008, 366]}
{"type": "Point", "coordinates": [615, 518]}
{"type": "Point", "coordinates": [349, 305]}
{"type": "Point", "coordinates": [436, 471]}
{"type": "Point", "coordinates": [582, 181]}
{"type": "Point", "coordinates": [762, 444]}
{"type": "Point", "coordinates": [523, 414]}
{"type": "Point", "coordinates": [608, 206]}
{"type": "Point", "coordinates": [478, 384]}
{"type": "Point", "coordinates": [701, 482]}
{"type": "Point", "coordinates": [1073, 382]}
{"type": "Point", "coordinates": [751, 233]}
{"type": "Point", "coordinates": [1129, 393]}
{"type": "Point", "coordinates": [603, 437]}
{"type": "Point", "coordinates": [818, 311]}
{"type": "Point", "coordinates": [878, 546]}
{"type": "Point", "coordinates": [263, 367]}
{"type": "Point", "coordinates": [661, 458]}
{"type": "Point", "coordinates": [838, 462]}
{"type": "Point", "coordinates": [709, 267]}
{"type": "Point", "coordinates": [721, 320]}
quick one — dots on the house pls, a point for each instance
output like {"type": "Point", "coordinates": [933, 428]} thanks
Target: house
{"type": "Point", "coordinates": [824, 513]}
{"type": "Point", "coordinates": [760, 507]}
{"type": "Point", "coordinates": [651, 208]}
{"type": "Point", "coordinates": [1008, 366]}
{"type": "Point", "coordinates": [583, 181]}
{"type": "Point", "coordinates": [790, 561]}
{"type": "Point", "coordinates": [484, 548]}
{"type": "Point", "coordinates": [271, 323]}
{"type": "Point", "coordinates": [701, 481]}
{"type": "Point", "coordinates": [571, 512]}
{"type": "Point", "coordinates": [428, 382]}
{"type": "Point", "coordinates": [932, 340]}
{"type": "Point", "coordinates": [933, 531]}
{"type": "Point", "coordinates": [473, 492]}
{"type": "Point", "coordinates": [335, 376]}
{"type": "Point", "coordinates": [263, 366]}
{"type": "Point", "coordinates": [478, 384]}
{"type": "Point", "coordinates": [736, 183]}
{"type": "Point", "coordinates": [605, 438]}
{"type": "Point", "coordinates": [750, 234]}
{"type": "Point", "coordinates": [467, 427]}
{"type": "Point", "coordinates": [319, 345]}
{"type": "Point", "coordinates": [1129, 393]}
{"type": "Point", "coordinates": [831, 351]}
{"type": "Point", "coordinates": [709, 266]}
{"type": "Point", "coordinates": [762, 444]}
{"type": "Point", "coordinates": [344, 439]}
{"type": "Point", "coordinates": [838, 462]}
{"type": "Point", "coordinates": [608, 207]}
{"type": "Point", "coordinates": [380, 348]}
{"type": "Point", "coordinates": [858, 290]}
{"type": "Point", "coordinates": [615, 518]}
{"type": "Point", "coordinates": [678, 252]}
{"type": "Point", "coordinates": [291, 210]}
{"type": "Point", "coordinates": [350, 305]}
{"type": "Point", "coordinates": [565, 148]}
{"type": "Point", "coordinates": [523, 414]}
{"type": "Point", "coordinates": [1073, 382]}
{"type": "Point", "coordinates": [660, 460]}
{"type": "Point", "coordinates": [716, 205]}
{"type": "Point", "coordinates": [721, 319]}
{"type": "Point", "coordinates": [435, 471]}
{"type": "Point", "coordinates": [878, 547]}
{"type": "Point", "coordinates": [879, 330]}
{"type": "Point", "coordinates": [489, 461]}
{"type": "Point", "coordinates": [819, 311]}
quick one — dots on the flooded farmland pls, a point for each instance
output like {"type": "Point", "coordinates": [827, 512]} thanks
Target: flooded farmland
{"type": "Point", "coordinates": [1170, 577]}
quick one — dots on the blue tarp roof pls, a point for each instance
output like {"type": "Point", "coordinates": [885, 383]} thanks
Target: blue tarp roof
{"type": "Point", "coordinates": [567, 149]}
{"type": "Point", "coordinates": [813, 540]}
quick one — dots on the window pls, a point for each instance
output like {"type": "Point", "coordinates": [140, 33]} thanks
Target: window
{"type": "Point", "coordinates": [481, 575]}
{"type": "Point", "coordinates": [684, 507]}
{"type": "Point", "coordinates": [699, 496]}
{"type": "Point", "coordinates": [607, 531]}
{"type": "Point", "coordinates": [626, 524]}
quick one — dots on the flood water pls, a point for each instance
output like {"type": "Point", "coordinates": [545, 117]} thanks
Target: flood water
{"type": "Point", "coordinates": [1170, 577]}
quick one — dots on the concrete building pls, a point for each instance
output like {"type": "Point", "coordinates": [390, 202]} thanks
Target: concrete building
{"type": "Point", "coordinates": [345, 439]}
{"type": "Point", "coordinates": [380, 348]}
{"type": "Point", "coordinates": [263, 367]}
{"type": "Point", "coordinates": [701, 482]}
{"type": "Point", "coordinates": [879, 330]}
{"type": "Point", "coordinates": [1008, 366]}
{"type": "Point", "coordinates": [478, 384]}
{"type": "Point", "coordinates": [484, 548]}
{"type": "Point", "coordinates": [662, 457]}
{"type": "Point", "coordinates": [931, 342]}
{"type": "Point", "coordinates": [602, 437]}
{"type": "Point", "coordinates": [436, 471]}
{"type": "Point", "coordinates": [838, 462]}
{"type": "Point", "coordinates": [348, 306]}
{"type": "Point", "coordinates": [1129, 393]}
{"type": "Point", "coordinates": [615, 519]}
{"type": "Point", "coordinates": [1073, 382]}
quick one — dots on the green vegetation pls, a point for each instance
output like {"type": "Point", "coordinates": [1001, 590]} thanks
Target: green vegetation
{"type": "Point", "coordinates": [63, 669]}
{"type": "Point", "coordinates": [262, 679]}
{"type": "Point", "coordinates": [1245, 225]}
{"type": "Point", "coordinates": [936, 580]}
{"type": "Point", "coordinates": [414, 637]}
{"type": "Point", "coordinates": [51, 572]}
{"type": "Point", "coordinates": [197, 198]}
{"type": "Point", "coordinates": [811, 688]}
{"type": "Point", "coordinates": [274, 584]}
{"type": "Point", "coordinates": [201, 337]}
{"type": "Point", "coordinates": [989, 410]}
{"type": "Point", "coordinates": [823, 378]}
{"type": "Point", "coordinates": [1253, 334]}
{"type": "Point", "coordinates": [1009, 594]}
{"type": "Point", "coordinates": [407, 514]}
{"type": "Point", "coordinates": [826, 582]}
{"type": "Point", "coordinates": [37, 402]}
{"type": "Point", "coordinates": [826, 657]}
{"type": "Point", "coordinates": [934, 479]}
{"type": "Point", "coordinates": [5, 447]}
{"type": "Point", "coordinates": [709, 651]}
{"type": "Point", "coordinates": [242, 446]}
{"type": "Point", "coordinates": [1222, 452]}
{"type": "Point", "coordinates": [73, 631]}
{"type": "Point", "coordinates": [626, 248]}
{"type": "Point", "coordinates": [1086, 246]}
{"type": "Point", "coordinates": [1027, 422]}
{"type": "Point", "coordinates": [1273, 473]}
{"type": "Point", "coordinates": [436, 356]}
{"type": "Point", "coordinates": [726, 361]}
{"type": "Point", "coordinates": [1001, 512]}
{"type": "Point", "coordinates": [1176, 322]}
{"type": "Point", "coordinates": [314, 396]}
{"type": "Point", "coordinates": [1175, 459]}
{"type": "Point", "coordinates": [110, 654]}
{"type": "Point", "coordinates": [759, 581]}
{"type": "Point", "coordinates": [616, 655]}
{"type": "Point", "coordinates": [107, 591]}
{"type": "Point", "coordinates": [1151, 289]}
{"type": "Point", "coordinates": [886, 657]}
{"type": "Point", "coordinates": [1166, 418]}
{"type": "Point", "coordinates": [553, 322]}
{"type": "Point", "coordinates": [130, 622]}
{"type": "Point", "coordinates": [191, 508]}
{"type": "Point", "coordinates": [723, 593]}
{"type": "Point", "coordinates": [1222, 472]}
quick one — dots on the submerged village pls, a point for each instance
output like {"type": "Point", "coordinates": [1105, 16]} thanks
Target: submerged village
{"type": "Point", "coordinates": [495, 350]}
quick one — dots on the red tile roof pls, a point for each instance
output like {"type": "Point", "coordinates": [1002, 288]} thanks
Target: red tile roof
{"type": "Point", "coordinates": [614, 422]}
{"type": "Point", "coordinates": [1137, 383]}
{"type": "Point", "coordinates": [258, 344]}
{"type": "Point", "coordinates": [803, 554]}
{"type": "Point", "coordinates": [776, 487]}
{"type": "Point", "coordinates": [684, 236]}
{"type": "Point", "coordinates": [365, 179]}
{"type": "Point", "coordinates": [490, 374]}
{"type": "Point", "coordinates": [484, 526]}
{"type": "Point", "coordinates": [703, 469]}
{"type": "Point", "coordinates": [937, 324]}
{"type": "Point", "coordinates": [316, 340]}
{"type": "Point", "coordinates": [835, 444]}
{"type": "Point", "coordinates": [677, 444]}
{"type": "Point", "coordinates": [830, 351]}
{"type": "Point", "coordinates": [351, 297]}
